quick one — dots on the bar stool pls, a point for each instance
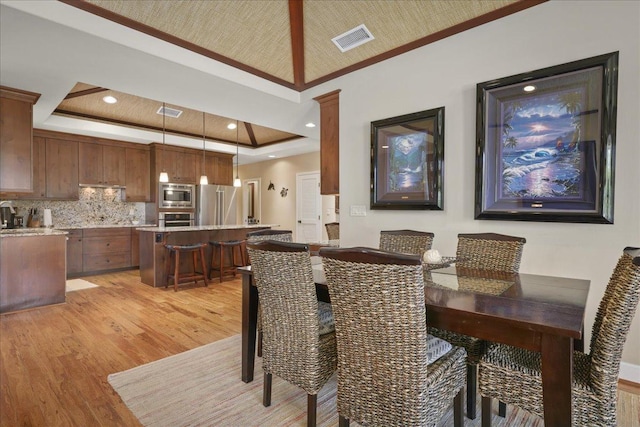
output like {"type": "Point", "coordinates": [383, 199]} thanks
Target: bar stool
{"type": "Point", "coordinates": [234, 250]}
{"type": "Point", "coordinates": [173, 263]}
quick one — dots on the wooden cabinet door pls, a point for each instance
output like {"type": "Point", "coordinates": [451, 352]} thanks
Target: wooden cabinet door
{"type": "Point", "coordinates": [185, 164]}
{"type": "Point", "coordinates": [138, 176]}
{"type": "Point", "coordinates": [39, 176]}
{"type": "Point", "coordinates": [90, 163]}
{"type": "Point", "coordinates": [223, 172]}
{"type": "Point", "coordinates": [74, 252]}
{"type": "Point", "coordinates": [329, 142]}
{"type": "Point", "coordinates": [135, 248]}
{"type": "Point", "coordinates": [16, 125]}
{"type": "Point", "coordinates": [62, 169]}
{"type": "Point", "coordinates": [113, 165]}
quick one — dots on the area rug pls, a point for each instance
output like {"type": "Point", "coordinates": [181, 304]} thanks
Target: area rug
{"type": "Point", "coordinates": [202, 387]}
{"type": "Point", "coordinates": [78, 284]}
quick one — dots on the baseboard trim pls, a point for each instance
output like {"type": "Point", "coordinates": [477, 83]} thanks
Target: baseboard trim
{"type": "Point", "coordinates": [629, 373]}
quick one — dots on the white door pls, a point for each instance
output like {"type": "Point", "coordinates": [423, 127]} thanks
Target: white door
{"type": "Point", "coordinates": [308, 207]}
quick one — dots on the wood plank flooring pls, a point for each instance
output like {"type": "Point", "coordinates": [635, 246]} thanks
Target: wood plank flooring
{"type": "Point", "coordinates": [55, 360]}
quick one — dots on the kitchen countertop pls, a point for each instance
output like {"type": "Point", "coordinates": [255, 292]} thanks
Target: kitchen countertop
{"type": "Point", "coordinates": [30, 232]}
{"type": "Point", "coordinates": [205, 227]}
{"type": "Point", "coordinates": [81, 227]}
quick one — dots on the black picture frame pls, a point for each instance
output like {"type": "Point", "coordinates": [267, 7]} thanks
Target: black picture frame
{"type": "Point", "coordinates": [407, 160]}
{"type": "Point", "coordinates": [548, 154]}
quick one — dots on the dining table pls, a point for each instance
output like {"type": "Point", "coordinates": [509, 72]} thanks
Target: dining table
{"type": "Point", "coordinates": [530, 311]}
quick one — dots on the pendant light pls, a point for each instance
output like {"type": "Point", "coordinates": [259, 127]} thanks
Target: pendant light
{"type": "Point", "coordinates": [237, 182]}
{"type": "Point", "coordinates": [164, 177]}
{"type": "Point", "coordinates": [203, 178]}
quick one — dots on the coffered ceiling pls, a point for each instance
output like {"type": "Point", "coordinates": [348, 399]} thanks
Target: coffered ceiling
{"type": "Point", "coordinates": [270, 44]}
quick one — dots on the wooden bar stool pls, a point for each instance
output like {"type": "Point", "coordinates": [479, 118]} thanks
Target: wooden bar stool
{"type": "Point", "coordinates": [234, 250]}
{"type": "Point", "coordinates": [173, 263]}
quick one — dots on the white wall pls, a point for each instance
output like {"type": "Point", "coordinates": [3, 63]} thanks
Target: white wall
{"type": "Point", "coordinates": [445, 73]}
{"type": "Point", "coordinates": [282, 172]}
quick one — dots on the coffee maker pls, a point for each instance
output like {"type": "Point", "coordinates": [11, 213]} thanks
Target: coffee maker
{"type": "Point", "coordinates": [7, 215]}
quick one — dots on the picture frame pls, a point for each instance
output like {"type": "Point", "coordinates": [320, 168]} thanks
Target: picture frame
{"type": "Point", "coordinates": [407, 161]}
{"type": "Point", "coordinates": [545, 143]}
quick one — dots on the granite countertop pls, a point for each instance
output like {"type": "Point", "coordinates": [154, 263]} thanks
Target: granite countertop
{"type": "Point", "coordinates": [205, 227]}
{"type": "Point", "coordinates": [80, 227]}
{"type": "Point", "coordinates": [31, 232]}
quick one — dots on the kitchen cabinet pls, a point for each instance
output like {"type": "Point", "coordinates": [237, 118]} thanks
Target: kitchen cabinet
{"type": "Point", "coordinates": [179, 164]}
{"type": "Point", "coordinates": [106, 249]}
{"type": "Point", "coordinates": [137, 176]}
{"type": "Point", "coordinates": [135, 248]}
{"type": "Point", "coordinates": [329, 142]}
{"type": "Point", "coordinates": [101, 164]}
{"type": "Point", "coordinates": [74, 252]}
{"type": "Point", "coordinates": [61, 169]}
{"type": "Point", "coordinates": [16, 140]}
{"type": "Point", "coordinates": [39, 174]}
{"type": "Point", "coordinates": [218, 168]}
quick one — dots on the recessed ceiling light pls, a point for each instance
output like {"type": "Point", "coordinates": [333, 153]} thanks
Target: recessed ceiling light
{"type": "Point", "coordinates": [310, 125]}
{"type": "Point", "coordinates": [529, 88]}
{"type": "Point", "coordinates": [231, 126]}
{"type": "Point", "coordinates": [110, 99]}
{"type": "Point", "coordinates": [271, 156]}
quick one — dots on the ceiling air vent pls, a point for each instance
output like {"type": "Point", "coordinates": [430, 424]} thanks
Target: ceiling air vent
{"type": "Point", "coordinates": [353, 38]}
{"type": "Point", "coordinates": [170, 112]}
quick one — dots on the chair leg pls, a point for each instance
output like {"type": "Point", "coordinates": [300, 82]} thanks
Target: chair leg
{"type": "Point", "coordinates": [472, 376]}
{"type": "Point", "coordinates": [194, 261]}
{"type": "Point", "coordinates": [343, 422]}
{"type": "Point", "coordinates": [221, 261]}
{"type": "Point", "coordinates": [266, 391]}
{"type": "Point", "coordinates": [312, 405]}
{"type": "Point", "coordinates": [259, 344]}
{"type": "Point", "coordinates": [204, 267]}
{"type": "Point", "coordinates": [167, 268]}
{"type": "Point", "coordinates": [176, 273]}
{"type": "Point", "coordinates": [486, 411]}
{"type": "Point", "coordinates": [502, 409]}
{"type": "Point", "coordinates": [458, 407]}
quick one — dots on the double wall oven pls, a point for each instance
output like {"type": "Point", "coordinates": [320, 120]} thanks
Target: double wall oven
{"type": "Point", "coordinates": [176, 219]}
{"type": "Point", "coordinates": [176, 203]}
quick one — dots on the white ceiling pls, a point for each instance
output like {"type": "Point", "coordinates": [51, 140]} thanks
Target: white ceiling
{"type": "Point", "coordinates": [47, 47]}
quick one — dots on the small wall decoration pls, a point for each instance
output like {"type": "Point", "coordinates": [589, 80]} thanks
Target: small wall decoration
{"type": "Point", "coordinates": [271, 186]}
{"type": "Point", "coordinates": [407, 158]}
{"type": "Point", "coordinates": [546, 143]}
{"type": "Point", "coordinates": [283, 192]}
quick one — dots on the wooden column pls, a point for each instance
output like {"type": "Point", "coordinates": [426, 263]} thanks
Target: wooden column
{"type": "Point", "coordinates": [329, 142]}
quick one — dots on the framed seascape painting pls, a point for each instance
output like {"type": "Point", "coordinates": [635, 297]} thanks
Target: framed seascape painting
{"type": "Point", "coordinates": [545, 143]}
{"type": "Point", "coordinates": [407, 156]}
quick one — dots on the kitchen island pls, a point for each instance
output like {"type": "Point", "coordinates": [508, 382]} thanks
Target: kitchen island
{"type": "Point", "coordinates": [33, 268]}
{"type": "Point", "coordinates": [153, 254]}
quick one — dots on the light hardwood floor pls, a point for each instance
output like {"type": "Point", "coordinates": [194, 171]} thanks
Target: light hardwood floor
{"type": "Point", "coordinates": [55, 360]}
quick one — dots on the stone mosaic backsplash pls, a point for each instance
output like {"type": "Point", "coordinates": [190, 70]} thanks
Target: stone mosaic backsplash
{"type": "Point", "coordinates": [96, 207]}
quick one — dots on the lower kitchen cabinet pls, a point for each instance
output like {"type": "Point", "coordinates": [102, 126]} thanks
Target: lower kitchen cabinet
{"type": "Point", "coordinates": [74, 251]}
{"type": "Point", "coordinates": [106, 249]}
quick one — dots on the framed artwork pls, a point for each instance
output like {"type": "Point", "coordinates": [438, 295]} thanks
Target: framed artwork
{"type": "Point", "coordinates": [545, 143]}
{"type": "Point", "coordinates": [407, 159]}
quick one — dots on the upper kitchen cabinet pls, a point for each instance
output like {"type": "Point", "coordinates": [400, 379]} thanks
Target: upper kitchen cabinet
{"type": "Point", "coordinates": [16, 140]}
{"type": "Point", "coordinates": [218, 168]}
{"type": "Point", "coordinates": [179, 163]}
{"type": "Point", "coordinates": [329, 142]}
{"type": "Point", "coordinates": [61, 169]}
{"type": "Point", "coordinates": [101, 164]}
{"type": "Point", "coordinates": [39, 174]}
{"type": "Point", "coordinates": [138, 177]}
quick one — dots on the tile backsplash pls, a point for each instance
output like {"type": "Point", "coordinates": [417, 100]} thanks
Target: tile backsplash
{"type": "Point", "coordinates": [96, 207]}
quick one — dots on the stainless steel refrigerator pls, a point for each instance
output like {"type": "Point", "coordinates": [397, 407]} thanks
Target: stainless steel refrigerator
{"type": "Point", "coordinates": [216, 205]}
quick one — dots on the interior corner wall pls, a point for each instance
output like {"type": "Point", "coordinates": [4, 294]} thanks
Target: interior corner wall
{"type": "Point", "coordinates": [445, 73]}
{"type": "Point", "coordinates": [276, 209]}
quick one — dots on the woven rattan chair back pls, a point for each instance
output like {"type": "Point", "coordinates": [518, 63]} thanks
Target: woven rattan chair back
{"type": "Point", "coordinates": [279, 235]}
{"type": "Point", "coordinates": [292, 347]}
{"type": "Point", "coordinates": [490, 251]}
{"type": "Point", "coordinates": [406, 241]}
{"type": "Point", "coordinates": [333, 230]}
{"type": "Point", "coordinates": [613, 320]}
{"type": "Point", "coordinates": [379, 311]}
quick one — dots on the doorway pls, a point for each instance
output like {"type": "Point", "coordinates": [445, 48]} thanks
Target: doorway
{"type": "Point", "coordinates": [308, 207]}
{"type": "Point", "coordinates": [251, 201]}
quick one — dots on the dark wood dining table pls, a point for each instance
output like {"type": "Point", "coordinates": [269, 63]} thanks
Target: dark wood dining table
{"type": "Point", "coordinates": [534, 312]}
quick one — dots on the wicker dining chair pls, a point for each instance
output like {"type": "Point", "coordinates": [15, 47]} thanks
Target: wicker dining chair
{"type": "Point", "coordinates": [257, 236]}
{"type": "Point", "coordinates": [406, 241]}
{"type": "Point", "coordinates": [333, 230]}
{"type": "Point", "coordinates": [384, 377]}
{"type": "Point", "coordinates": [514, 375]}
{"type": "Point", "coordinates": [481, 251]}
{"type": "Point", "coordinates": [299, 340]}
